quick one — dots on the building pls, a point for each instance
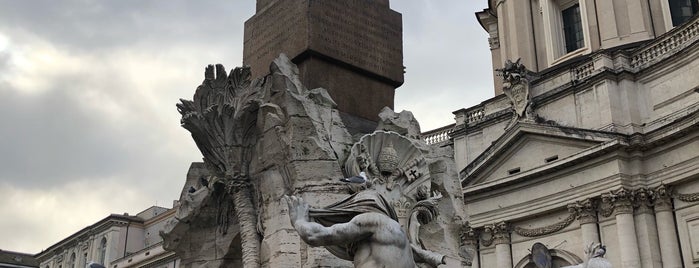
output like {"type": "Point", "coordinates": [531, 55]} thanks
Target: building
{"type": "Point", "coordinates": [115, 241]}
{"type": "Point", "coordinates": [10, 259]}
{"type": "Point", "coordinates": [597, 140]}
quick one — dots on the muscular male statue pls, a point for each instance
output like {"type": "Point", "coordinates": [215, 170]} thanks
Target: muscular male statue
{"type": "Point", "coordinates": [376, 240]}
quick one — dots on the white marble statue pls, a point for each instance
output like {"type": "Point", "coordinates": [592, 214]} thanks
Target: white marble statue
{"type": "Point", "coordinates": [594, 257]}
{"type": "Point", "coordinates": [372, 237]}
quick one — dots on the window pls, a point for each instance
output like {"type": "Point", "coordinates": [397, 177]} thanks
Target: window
{"type": "Point", "coordinates": [103, 250]}
{"type": "Point", "coordinates": [551, 158]}
{"type": "Point", "coordinates": [84, 262]}
{"type": "Point", "coordinates": [513, 171]}
{"type": "Point", "coordinates": [565, 30]}
{"type": "Point", "coordinates": [71, 261]}
{"type": "Point", "coordinates": [572, 28]}
{"type": "Point", "coordinates": [683, 10]}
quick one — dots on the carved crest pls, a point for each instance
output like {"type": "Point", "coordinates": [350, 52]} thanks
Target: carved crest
{"type": "Point", "coordinates": [516, 86]}
{"type": "Point", "coordinates": [390, 160]}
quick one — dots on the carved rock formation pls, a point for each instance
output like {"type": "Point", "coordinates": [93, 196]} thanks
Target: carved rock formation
{"type": "Point", "coordinates": [273, 137]}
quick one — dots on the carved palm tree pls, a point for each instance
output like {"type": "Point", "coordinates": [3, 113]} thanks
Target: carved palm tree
{"type": "Point", "coordinates": [222, 119]}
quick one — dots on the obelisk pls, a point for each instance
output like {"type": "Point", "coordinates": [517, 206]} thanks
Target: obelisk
{"type": "Point", "coordinates": [352, 48]}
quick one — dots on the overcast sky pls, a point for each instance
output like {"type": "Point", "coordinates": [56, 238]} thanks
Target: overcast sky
{"type": "Point", "coordinates": [88, 124]}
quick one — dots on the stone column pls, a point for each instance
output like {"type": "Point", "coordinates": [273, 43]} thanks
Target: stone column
{"type": "Point", "coordinates": [621, 200]}
{"type": "Point", "coordinates": [646, 229]}
{"type": "Point", "coordinates": [667, 236]}
{"type": "Point", "coordinates": [586, 211]}
{"type": "Point", "coordinates": [468, 248]}
{"type": "Point", "coordinates": [501, 238]}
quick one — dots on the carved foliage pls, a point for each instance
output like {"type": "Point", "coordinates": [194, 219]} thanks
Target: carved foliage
{"type": "Point", "coordinates": [498, 233]}
{"type": "Point", "coordinates": [662, 198]}
{"type": "Point", "coordinates": [467, 244]}
{"type": "Point", "coordinates": [222, 119]}
{"type": "Point", "coordinates": [618, 201]}
{"type": "Point", "coordinates": [693, 197]}
{"type": "Point", "coordinates": [549, 229]}
{"type": "Point", "coordinates": [585, 210]}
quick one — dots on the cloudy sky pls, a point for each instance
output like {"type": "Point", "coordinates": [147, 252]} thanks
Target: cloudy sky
{"type": "Point", "coordinates": [88, 124]}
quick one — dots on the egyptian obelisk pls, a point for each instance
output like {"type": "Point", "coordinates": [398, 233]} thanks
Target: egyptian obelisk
{"type": "Point", "coordinates": [352, 48]}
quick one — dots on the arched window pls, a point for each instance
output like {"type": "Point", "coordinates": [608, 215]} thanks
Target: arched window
{"type": "Point", "coordinates": [71, 261]}
{"type": "Point", "coordinates": [103, 250]}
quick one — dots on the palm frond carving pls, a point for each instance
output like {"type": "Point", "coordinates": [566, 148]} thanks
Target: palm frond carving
{"type": "Point", "coordinates": [222, 118]}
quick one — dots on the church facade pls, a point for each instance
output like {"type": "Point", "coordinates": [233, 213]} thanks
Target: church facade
{"type": "Point", "coordinates": [592, 137]}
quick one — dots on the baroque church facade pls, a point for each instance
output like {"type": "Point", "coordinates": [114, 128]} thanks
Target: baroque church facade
{"type": "Point", "coordinates": [592, 137]}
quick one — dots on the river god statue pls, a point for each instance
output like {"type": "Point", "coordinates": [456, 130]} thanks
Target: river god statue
{"type": "Point", "coordinates": [369, 235]}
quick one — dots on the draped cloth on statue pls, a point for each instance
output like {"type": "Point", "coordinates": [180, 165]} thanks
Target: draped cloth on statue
{"type": "Point", "coordinates": [345, 210]}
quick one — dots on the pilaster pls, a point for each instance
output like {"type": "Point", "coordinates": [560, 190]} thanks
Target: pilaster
{"type": "Point", "coordinates": [586, 211]}
{"type": "Point", "coordinates": [646, 228]}
{"type": "Point", "coordinates": [468, 248]}
{"type": "Point", "coordinates": [501, 239]}
{"type": "Point", "coordinates": [669, 246]}
{"type": "Point", "coordinates": [621, 202]}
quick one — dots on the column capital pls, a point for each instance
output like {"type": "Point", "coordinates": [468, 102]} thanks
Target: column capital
{"type": "Point", "coordinates": [662, 198]}
{"type": "Point", "coordinates": [468, 244]}
{"type": "Point", "coordinates": [643, 200]}
{"type": "Point", "coordinates": [585, 210]}
{"type": "Point", "coordinates": [501, 233]}
{"type": "Point", "coordinates": [618, 201]}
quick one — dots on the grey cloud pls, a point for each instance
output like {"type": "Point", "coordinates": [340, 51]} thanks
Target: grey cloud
{"type": "Point", "coordinates": [53, 137]}
{"type": "Point", "coordinates": [106, 24]}
{"type": "Point", "coordinates": [50, 138]}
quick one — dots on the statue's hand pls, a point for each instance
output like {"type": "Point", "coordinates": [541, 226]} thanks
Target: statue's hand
{"type": "Point", "coordinates": [298, 209]}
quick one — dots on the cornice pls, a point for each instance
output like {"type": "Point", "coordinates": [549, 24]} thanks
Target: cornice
{"type": "Point", "coordinates": [104, 224]}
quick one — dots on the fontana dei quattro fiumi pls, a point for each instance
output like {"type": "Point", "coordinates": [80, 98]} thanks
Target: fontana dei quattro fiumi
{"type": "Point", "coordinates": [587, 155]}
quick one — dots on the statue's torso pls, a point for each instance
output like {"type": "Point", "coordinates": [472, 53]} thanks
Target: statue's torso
{"type": "Point", "coordinates": [388, 246]}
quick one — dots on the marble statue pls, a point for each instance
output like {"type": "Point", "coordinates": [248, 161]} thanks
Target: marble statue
{"type": "Point", "coordinates": [372, 237]}
{"type": "Point", "coordinates": [264, 138]}
{"type": "Point", "coordinates": [594, 257]}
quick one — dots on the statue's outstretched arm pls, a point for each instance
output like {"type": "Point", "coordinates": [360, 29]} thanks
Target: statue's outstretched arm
{"type": "Point", "coordinates": [426, 256]}
{"type": "Point", "coordinates": [315, 234]}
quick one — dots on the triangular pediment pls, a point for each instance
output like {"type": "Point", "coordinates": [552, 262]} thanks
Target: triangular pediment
{"type": "Point", "coordinates": [529, 146]}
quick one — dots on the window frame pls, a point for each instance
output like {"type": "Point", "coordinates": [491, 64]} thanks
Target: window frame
{"type": "Point", "coordinates": [103, 251]}
{"type": "Point", "coordinates": [552, 14]}
{"type": "Point", "coordinates": [667, 14]}
{"type": "Point", "coordinates": [71, 260]}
